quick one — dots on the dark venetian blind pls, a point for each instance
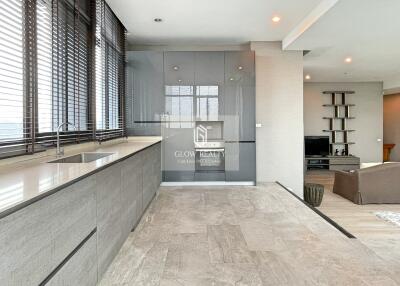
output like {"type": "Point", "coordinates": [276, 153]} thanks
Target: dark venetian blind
{"type": "Point", "coordinates": [64, 71]}
{"type": "Point", "coordinates": [17, 76]}
{"type": "Point", "coordinates": [60, 61]}
{"type": "Point", "coordinates": [110, 73]}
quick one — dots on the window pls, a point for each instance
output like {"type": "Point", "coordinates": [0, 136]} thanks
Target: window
{"type": "Point", "coordinates": [49, 52]}
{"type": "Point", "coordinates": [11, 77]}
{"type": "Point", "coordinates": [110, 73]}
{"type": "Point", "coordinates": [63, 71]}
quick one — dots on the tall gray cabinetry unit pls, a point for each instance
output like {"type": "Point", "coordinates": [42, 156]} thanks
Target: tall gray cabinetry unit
{"type": "Point", "coordinates": [177, 132]}
{"type": "Point", "coordinates": [239, 122]}
{"type": "Point", "coordinates": [164, 98]}
{"type": "Point", "coordinates": [145, 94]}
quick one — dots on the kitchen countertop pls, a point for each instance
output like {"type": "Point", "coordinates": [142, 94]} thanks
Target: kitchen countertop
{"type": "Point", "coordinates": [21, 186]}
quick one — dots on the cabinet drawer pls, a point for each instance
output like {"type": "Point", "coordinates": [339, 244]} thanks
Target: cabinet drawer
{"type": "Point", "coordinates": [131, 192]}
{"type": "Point", "coordinates": [80, 269]}
{"type": "Point", "coordinates": [37, 238]}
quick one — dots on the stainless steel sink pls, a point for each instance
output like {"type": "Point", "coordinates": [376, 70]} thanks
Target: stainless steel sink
{"type": "Point", "coordinates": [82, 158]}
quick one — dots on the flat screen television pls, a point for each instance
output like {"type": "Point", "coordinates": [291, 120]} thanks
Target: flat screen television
{"type": "Point", "coordinates": [316, 145]}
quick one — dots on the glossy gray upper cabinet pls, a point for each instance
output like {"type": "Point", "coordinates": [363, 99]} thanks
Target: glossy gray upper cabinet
{"type": "Point", "coordinates": [239, 97]}
{"type": "Point", "coordinates": [145, 96]}
{"type": "Point", "coordinates": [179, 68]}
{"type": "Point", "coordinates": [209, 68]}
{"type": "Point", "coordinates": [240, 68]}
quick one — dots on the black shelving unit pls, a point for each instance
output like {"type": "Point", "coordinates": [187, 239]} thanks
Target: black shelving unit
{"type": "Point", "coordinates": [338, 121]}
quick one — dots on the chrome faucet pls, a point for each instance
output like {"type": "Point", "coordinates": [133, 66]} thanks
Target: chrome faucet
{"type": "Point", "coordinates": [60, 151]}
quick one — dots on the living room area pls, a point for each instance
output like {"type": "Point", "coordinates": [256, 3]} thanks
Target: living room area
{"type": "Point", "coordinates": [352, 126]}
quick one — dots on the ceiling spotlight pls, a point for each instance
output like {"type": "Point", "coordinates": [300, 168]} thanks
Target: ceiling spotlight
{"type": "Point", "coordinates": [240, 68]}
{"type": "Point", "coordinates": [157, 20]}
{"type": "Point", "coordinates": [308, 76]}
{"type": "Point", "coordinates": [176, 68]}
{"type": "Point", "coordinates": [348, 60]}
{"type": "Point", "coordinates": [231, 79]}
{"type": "Point", "coordinates": [276, 19]}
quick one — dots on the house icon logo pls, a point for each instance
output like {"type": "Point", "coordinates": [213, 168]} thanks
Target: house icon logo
{"type": "Point", "coordinates": [200, 135]}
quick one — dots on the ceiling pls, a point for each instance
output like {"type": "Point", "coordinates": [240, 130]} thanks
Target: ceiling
{"type": "Point", "coordinates": [368, 31]}
{"type": "Point", "coordinates": [208, 21]}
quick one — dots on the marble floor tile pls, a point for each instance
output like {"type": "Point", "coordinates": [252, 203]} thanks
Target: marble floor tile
{"type": "Point", "coordinates": [227, 244]}
{"type": "Point", "coordinates": [243, 236]}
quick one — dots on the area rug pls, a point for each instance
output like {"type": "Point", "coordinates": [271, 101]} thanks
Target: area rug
{"type": "Point", "coordinates": [389, 216]}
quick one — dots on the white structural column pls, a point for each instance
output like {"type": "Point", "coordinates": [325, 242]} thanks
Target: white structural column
{"type": "Point", "coordinates": [279, 110]}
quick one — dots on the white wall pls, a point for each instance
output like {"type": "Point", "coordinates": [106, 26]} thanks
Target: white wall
{"type": "Point", "coordinates": [279, 108]}
{"type": "Point", "coordinates": [368, 111]}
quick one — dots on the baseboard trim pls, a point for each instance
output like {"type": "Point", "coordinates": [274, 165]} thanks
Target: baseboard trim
{"type": "Point", "coordinates": [322, 215]}
{"type": "Point", "coordinates": [208, 183]}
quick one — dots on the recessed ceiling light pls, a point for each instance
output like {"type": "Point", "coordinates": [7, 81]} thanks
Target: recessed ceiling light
{"type": "Point", "coordinates": [308, 76]}
{"type": "Point", "coordinates": [158, 20]}
{"type": "Point", "coordinates": [348, 60]}
{"type": "Point", "coordinates": [276, 19]}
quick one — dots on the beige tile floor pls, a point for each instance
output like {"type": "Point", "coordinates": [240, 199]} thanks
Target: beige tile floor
{"type": "Point", "coordinates": [241, 236]}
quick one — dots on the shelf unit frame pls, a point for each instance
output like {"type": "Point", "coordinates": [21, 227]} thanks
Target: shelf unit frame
{"type": "Point", "coordinates": [338, 106]}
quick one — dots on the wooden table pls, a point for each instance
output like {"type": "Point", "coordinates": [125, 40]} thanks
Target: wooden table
{"type": "Point", "coordinates": [387, 148]}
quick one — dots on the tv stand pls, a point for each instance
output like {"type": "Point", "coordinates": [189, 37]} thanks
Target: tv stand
{"type": "Point", "coordinates": [332, 163]}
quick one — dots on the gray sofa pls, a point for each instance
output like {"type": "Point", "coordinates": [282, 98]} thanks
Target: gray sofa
{"type": "Point", "coordinates": [374, 185]}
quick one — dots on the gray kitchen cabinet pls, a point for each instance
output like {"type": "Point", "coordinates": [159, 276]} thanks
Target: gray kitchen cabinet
{"type": "Point", "coordinates": [73, 215]}
{"type": "Point", "coordinates": [145, 92]}
{"type": "Point", "coordinates": [240, 67]}
{"type": "Point", "coordinates": [239, 97]}
{"type": "Point", "coordinates": [240, 162]}
{"type": "Point", "coordinates": [179, 68]}
{"type": "Point", "coordinates": [37, 238]}
{"type": "Point", "coordinates": [209, 68]}
{"type": "Point", "coordinates": [70, 237]}
{"type": "Point", "coordinates": [151, 173]}
{"type": "Point", "coordinates": [179, 155]}
{"type": "Point", "coordinates": [109, 211]}
{"type": "Point", "coordinates": [131, 192]}
{"type": "Point", "coordinates": [26, 245]}
{"type": "Point", "coordinates": [209, 72]}
{"type": "Point", "coordinates": [80, 269]}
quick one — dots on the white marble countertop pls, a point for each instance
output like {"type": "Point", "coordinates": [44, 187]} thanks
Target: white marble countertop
{"type": "Point", "coordinates": [22, 185]}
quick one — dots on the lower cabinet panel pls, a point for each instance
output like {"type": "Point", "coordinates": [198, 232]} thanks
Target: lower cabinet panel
{"type": "Point", "coordinates": [81, 268]}
{"type": "Point", "coordinates": [240, 161]}
{"type": "Point", "coordinates": [109, 228]}
{"type": "Point", "coordinates": [36, 239]}
{"type": "Point", "coordinates": [131, 193]}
